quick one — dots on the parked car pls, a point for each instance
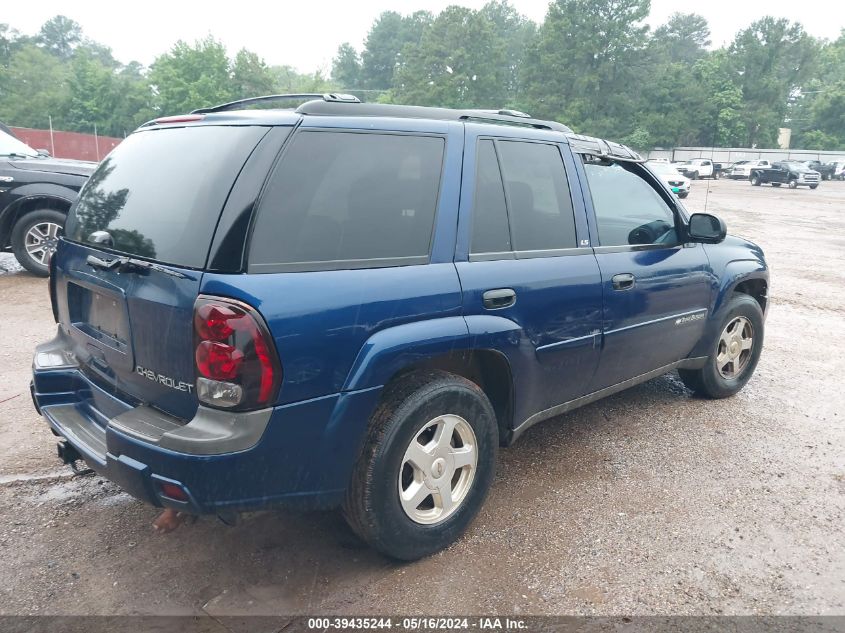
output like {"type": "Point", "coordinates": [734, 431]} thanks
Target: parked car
{"type": "Point", "coordinates": [36, 192]}
{"type": "Point", "coordinates": [700, 168]}
{"type": "Point", "coordinates": [355, 305]}
{"type": "Point", "coordinates": [677, 182]}
{"type": "Point", "coordinates": [839, 170]}
{"type": "Point", "coordinates": [741, 169]}
{"type": "Point", "coordinates": [793, 174]}
{"type": "Point", "coordinates": [826, 170]}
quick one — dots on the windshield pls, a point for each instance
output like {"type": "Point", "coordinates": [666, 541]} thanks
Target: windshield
{"type": "Point", "coordinates": [10, 145]}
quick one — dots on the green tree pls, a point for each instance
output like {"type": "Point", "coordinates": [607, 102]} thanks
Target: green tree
{"type": "Point", "coordinates": [772, 58]}
{"type": "Point", "coordinates": [459, 62]}
{"type": "Point", "coordinates": [514, 33]}
{"type": "Point", "coordinates": [346, 67]}
{"type": "Point", "coordinates": [60, 36]}
{"type": "Point", "coordinates": [684, 38]}
{"type": "Point", "coordinates": [32, 88]}
{"type": "Point", "coordinates": [251, 77]}
{"type": "Point", "coordinates": [385, 46]}
{"type": "Point", "coordinates": [189, 77]}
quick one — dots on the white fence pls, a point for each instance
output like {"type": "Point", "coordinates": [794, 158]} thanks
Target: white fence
{"type": "Point", "coordinates": [733, 154]}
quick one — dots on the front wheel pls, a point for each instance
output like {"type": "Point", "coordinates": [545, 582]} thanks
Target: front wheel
{"type": "Point", "coordinates": [34, 239]}
{"type": "Point", "coordinates": [755, 181]}
{"type": "Point", "coordinates": [694, 175]}
{"type": "Point", "coordinates": [735, 353]}
{"type": "Point", "coordinates": [775, 184]}
{"type": "Point", "coordinates": [683, 194]}
{"type": "Point", "coordinates": [813, 186]}
{"type": "Point", "coordinates": [793, 184]}
{"type": "Point", "coordinates": [426, 466]}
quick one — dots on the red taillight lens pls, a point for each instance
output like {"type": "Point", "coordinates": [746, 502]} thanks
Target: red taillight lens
{"type": "Point", "coordinates": [236, 362]}
{"type": "Point", "coordinates": [173, 491]}
{"type": "Point", "coordinates": [218, 361]}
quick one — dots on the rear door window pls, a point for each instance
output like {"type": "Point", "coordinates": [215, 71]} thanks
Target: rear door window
{"type": "Point", "coordinates": [539, 204]}
{"type": "Point", "coordinates": [349, 200]}
{"type": "Point", "coordinates": [490, 232]}
{"type": "Point", "coordinates": [160, 192]}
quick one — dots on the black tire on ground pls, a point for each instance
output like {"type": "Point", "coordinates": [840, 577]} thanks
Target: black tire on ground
{"type": "Point", "coordinates": [694, 175]}
{"type": "Point", "coordinates": [717, 175]}
{"type": "Point", "coordinates": [813, 186]}
{"type": "Point", "coordinates": [755, 180]}
{"type": "Point", "coordinates": [20, 230]}
{"type": "Point", "coordinates": [683, 195]}
{"type": "Point", "coordinates": [775, 184]}
{"type": "Point", "coordinates": [708, 382]}
{"type": "Point", "coordinates": [793, 184]}
{"type": "Point", "coordinates": [372, 506]}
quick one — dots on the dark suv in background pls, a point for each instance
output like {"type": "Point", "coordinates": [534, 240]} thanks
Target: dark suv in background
{"type": "Point", "coordinates": [354, 305]}
{"type": "Point", "coordinates": [36, 192]}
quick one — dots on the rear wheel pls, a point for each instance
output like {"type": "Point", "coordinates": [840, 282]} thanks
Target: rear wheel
{"type": "Point", "coordinates": [34, 239]}
{"type": "Point", "coordinates": [755, 180]}
{"type": "Point", "coordinates": [735, 353]}
{"type": "Point", "coordinates": [426, 467]}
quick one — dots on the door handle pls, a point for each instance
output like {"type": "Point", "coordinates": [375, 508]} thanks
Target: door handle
{"type": "Point", "coordinates": [499, 298]}
{"type": "Point", "coordinates": [623, 281]}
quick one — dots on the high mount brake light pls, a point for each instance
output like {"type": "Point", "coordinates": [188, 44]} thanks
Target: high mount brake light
{"type": "Point", "coordinates": [179, 118]}
{"type": "Point", "coordinates": [235, 359]}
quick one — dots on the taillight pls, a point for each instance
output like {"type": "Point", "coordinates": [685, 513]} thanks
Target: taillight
{"type": "Point", "coordinates": [235, 360]}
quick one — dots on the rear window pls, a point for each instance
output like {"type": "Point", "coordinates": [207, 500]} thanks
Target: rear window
{"type": "Point", "coordinates": [349, 200]}
{"type": "Point", "coordinates": [160, 192]}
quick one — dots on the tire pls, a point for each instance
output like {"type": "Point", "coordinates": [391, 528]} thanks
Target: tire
{"type": "Point", "coordinates": [755, 181]}
{"type": "Point", "coordinates": [813, 186]}
{"type": "Point", "coordinates": [793, 184]}
{"type": "Point", "coordinates": [694, 175]}
{"type": "Point", "coordinates": [716, 175]}
{"type": "Point", "coordinates": [710, 381]}
{"type": "Point", "coordinates": [410, 408]}
{"type": "Point", "coordinates": [45, 225]}
{"type": "Point", "coordinates": [775, 184]}
{"type": "Point", "coordinates": [683, 195]}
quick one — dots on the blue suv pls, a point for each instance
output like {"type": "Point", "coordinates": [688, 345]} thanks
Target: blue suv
{"type": "Point", "coordinates": [354, 305]}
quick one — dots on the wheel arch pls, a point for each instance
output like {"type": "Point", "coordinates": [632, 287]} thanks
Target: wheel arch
{"type": "Point", "coordinates": [23, 205]}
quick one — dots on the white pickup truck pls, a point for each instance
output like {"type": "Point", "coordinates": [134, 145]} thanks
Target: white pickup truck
{"type": "Point", "coordinates": [741, 169]}
{"type": "Point", "coordinates": [699, 168]}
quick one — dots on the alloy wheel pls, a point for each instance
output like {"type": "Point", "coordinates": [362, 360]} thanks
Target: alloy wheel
{"type": "Point", "coordinates": [438, 469]}
{"type": "Point", "coordinates": [736, 344]}
{"type": "Point", "coordinates": [40, 241]}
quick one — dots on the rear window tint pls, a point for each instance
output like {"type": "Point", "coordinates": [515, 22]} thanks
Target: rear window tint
{"type": "Point", "coordinates": [160, 192]}
{"type": "Point", "coordinates": [346, 199]}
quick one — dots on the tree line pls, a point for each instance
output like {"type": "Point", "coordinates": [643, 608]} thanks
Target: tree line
{"type": "Point", "coordinates": [591, 64]}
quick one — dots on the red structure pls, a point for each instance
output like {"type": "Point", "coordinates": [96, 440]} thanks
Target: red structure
{"type": "Point", "coordinates": [68, 144]}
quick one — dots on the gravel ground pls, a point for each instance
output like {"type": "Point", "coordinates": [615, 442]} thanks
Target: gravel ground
{"type": "Point", "coordinates": [650, 502]}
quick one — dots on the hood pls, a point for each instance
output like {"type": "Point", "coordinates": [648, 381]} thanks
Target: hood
{"type": "Point", "coordinates": [55, 165]}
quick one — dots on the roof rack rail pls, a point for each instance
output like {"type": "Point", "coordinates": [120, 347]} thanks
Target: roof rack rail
{"type": "Point", "coordinates": [333, 97]}
{"type": "Point", "coordinates": [502, 117]}
{"type": "Point", "coordinates": [601, 148]}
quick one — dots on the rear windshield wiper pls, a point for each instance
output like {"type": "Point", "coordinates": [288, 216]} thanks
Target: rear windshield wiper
{"type": "Point", "coordinates": [125, 264]}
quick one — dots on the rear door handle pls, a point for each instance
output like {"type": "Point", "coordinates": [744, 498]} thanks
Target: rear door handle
{"type": "Point", "coordinates": [623, 281]}
{"type": "Point", "coordinates": [499, 298]}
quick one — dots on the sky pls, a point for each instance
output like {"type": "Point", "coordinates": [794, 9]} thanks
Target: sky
{"type": "Point", "coordinates": [306, 35]}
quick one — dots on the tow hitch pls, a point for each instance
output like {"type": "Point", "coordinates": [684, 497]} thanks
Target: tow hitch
{"type": "Point", "coordinates": [69, 455]}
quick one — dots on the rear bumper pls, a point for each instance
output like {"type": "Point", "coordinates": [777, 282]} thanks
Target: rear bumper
{"type": "Point", "coordinates": [303, 456]}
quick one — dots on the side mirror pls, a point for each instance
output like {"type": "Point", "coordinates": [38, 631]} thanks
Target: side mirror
{"type": "Point", "coordinates": [706, 228]}
{"type": "Point", "coordinates": [43, 152]}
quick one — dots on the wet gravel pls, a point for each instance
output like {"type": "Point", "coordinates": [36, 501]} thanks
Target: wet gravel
{"type": "Point", "coordinates": [650, 502]}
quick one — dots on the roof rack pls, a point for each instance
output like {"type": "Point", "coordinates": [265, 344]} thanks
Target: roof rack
{"type": "Point", "coordinates": [332, 97]}
{"type": "Point", "coordinates": [602, 149]}
{"type": "Point", "coordinates": [502, 117]}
